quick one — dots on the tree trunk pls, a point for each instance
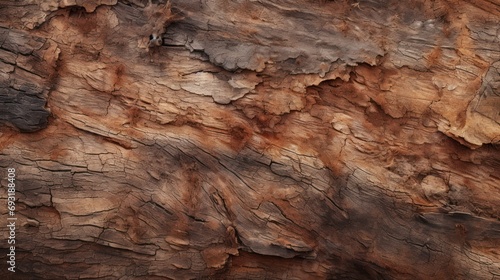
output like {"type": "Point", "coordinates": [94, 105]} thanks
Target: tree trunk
{"type": "Point", "coordinates": [261, 139]}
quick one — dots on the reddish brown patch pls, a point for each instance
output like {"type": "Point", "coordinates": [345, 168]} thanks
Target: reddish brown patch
{"type": "Point", "coordinates": [461, 118]}
{"type": "Point", "coordinates": [193, 184]}
{"type": "Point", "coordinates": [434, 56]}
{"type": "Point", "coordinates": [239, 136]}
{"type": "Point", "coordinates": [57, 153]}
{"type": "Point", "coordinates": [118, 77]}
{"type": "Point", "coordinates": [83, 21]}
{"type": "Point", "coordinates": [8, 136]}
{"type": "Point", "coordinates": [461, 232]}
{"type": "Point", "coordinates": [133, 115]}
{"type": "Point", "coordinates": [335, 164]}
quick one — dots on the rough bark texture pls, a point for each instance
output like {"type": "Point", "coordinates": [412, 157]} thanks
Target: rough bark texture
{"type": "Point", "coordinates": [264, 140]}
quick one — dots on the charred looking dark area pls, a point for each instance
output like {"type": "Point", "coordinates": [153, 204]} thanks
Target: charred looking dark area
{"type": "Point", "coordinates": [25, 80]}
{"type": "Point", "coordinates": [23, 110]}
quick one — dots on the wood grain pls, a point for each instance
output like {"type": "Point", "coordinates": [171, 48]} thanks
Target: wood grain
{"type": "Point", "coordinates": [265, 139]}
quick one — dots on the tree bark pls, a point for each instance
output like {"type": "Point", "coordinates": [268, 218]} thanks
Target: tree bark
{"type": "Point", "coordinates": [262, 140]}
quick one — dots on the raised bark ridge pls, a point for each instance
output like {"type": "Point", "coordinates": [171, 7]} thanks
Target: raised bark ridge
{"type": "Point", "coordinates": [266, 140]}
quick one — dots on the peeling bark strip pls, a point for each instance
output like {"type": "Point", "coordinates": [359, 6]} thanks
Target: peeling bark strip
{"type": "Point", "coordinates": [265, 139]}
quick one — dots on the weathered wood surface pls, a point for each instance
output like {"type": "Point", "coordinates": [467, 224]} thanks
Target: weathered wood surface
{"type": "Point", "coordinates": [265, 140]}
